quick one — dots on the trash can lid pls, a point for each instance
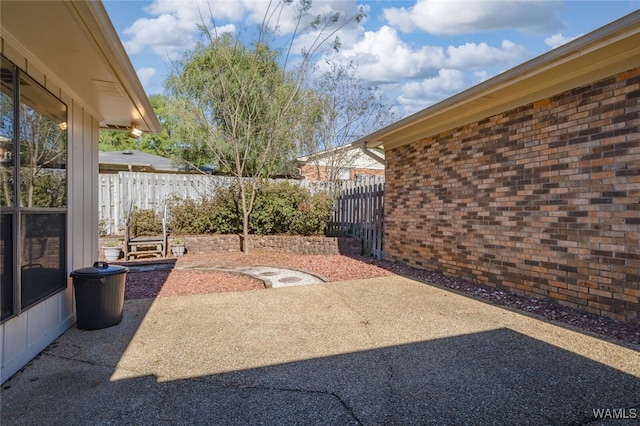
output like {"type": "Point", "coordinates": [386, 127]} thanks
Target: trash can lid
{"type": "Point", "coordinates": [99, 269]}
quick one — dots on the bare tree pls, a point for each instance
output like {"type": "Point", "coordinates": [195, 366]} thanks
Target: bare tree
{"type": "Point", "coordinates": [6, 145]}
{"type": "Point", "coordinates": [351, 109]}
{"type": "Point", "coordinates": [240, 106]}
{"type": "Point", "coordinates": [43, 145]}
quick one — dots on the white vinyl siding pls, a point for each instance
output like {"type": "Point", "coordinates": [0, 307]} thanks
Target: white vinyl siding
{"type": "Point", "coordinates": [24, 336]}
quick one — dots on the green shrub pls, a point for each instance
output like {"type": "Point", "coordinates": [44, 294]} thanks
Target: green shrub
{"type": "Point", "coordinates": [281, 208]}
{"type": "Point", "coordinates": [187, 217]}
{"type": "Point", "coordinates": [314, 215]}
{"type": "Point", "coordinates": [215, 214]}
{"type": "Point", "coordinates": [276, 208]}
{"type": "Point", "coordinates": [285, 208]}
{"type": "Point", "coordinates": [144, 222]}
{"type": "Point", "coordinates": [226, 209]}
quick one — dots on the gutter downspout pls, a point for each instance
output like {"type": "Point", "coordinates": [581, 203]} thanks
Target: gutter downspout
{"type": "Point", "coordinates": [376, 157]}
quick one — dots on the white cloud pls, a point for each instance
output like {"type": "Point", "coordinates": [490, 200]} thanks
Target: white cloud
{"type": "Point", "coordinates": [165, 36]}
{"type": "Point", "coordinates": [198, 10]}
{"type": "Point", "coordinates": [468, 16]}
{"type": "Point", "coordinates": [481, 76]}
{"type": "Point", "coordinates": [172, 26]}
{"type": "Point", "coordinates": [472, 55]}
{"type": "Point", "coordinates": [350, 34]}
{"type": "Point", "coordinates": [345, 8]}
{"type": "Point", "coordinates": [382, 57]}
{"type": "Point", "coordinates": [430, 90]}
{"type": "Point", "coordinates": [558, 40]}
{"type": "Point", "coordinates": [145, 74]}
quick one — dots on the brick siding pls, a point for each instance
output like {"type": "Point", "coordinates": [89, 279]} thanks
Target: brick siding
{"type": "Point", "coordinates": [313, 172]}
{"type": "Point", "coordinates": [355, 172]}
{"type": "Point", "coordinates": [542, 200]}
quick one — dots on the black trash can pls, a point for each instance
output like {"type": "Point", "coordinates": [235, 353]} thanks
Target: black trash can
{"type": "Point", "coordinates": [99, 291]}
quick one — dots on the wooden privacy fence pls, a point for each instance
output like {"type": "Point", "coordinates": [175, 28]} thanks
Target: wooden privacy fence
{"type": "Point", "coordinates": [359, 204]}
{"type": "Point", "coordinates": [152, 190]}
{"type": "Point", "coordinates": [359, 211]}
{"type": "Point", "coordinates": [144, 191]}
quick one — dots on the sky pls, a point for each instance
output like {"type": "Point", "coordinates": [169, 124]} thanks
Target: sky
{"type": "Point", "coordinates": [415, 53]}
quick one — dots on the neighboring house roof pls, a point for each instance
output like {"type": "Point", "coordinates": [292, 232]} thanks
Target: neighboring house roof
{"type": "Point", "coordinates": [76, 44]}
{"type": "Point", "coordinates": [609, 50]}
{"type": "Point", "coordinates": [137, 161]}
{"type": "Point", "coordinates": [352, 156]}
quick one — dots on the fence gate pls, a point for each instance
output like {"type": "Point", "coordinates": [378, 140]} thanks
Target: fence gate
{"type": "Point", "coordinates": [359, 212]}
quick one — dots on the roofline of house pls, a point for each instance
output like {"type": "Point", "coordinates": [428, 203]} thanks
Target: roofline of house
{"type": "Point", "coordinates": [327, 152]}
{"type": "Point", "coordinates": [110, 164]}
{"type": "Point", "coordinates": [94, 22]}
{"type": "Point", "coordinates": [99, 28]}
{"type": "Point", "coordinates": [606, 51]}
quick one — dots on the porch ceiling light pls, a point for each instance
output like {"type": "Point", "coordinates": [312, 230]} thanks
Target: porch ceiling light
{"type": "Point", "coordinates": [135, 132]}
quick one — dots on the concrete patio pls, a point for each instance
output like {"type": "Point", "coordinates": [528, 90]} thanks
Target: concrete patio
{"type": "Point", "coordinates": [377, 351]}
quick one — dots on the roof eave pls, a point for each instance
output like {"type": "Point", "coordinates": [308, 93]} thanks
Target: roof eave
{"type": "Point", "coordinates": [99, 27]}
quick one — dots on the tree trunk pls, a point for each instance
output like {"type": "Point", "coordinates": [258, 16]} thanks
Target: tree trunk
{"type": "Point", "coordinates": [8, 199]}
{"type": "Point", "coordinates": [245, 217]}
{"type": "Point", "coordinates": [245, 233]}
{"type": "Point", "coordinates": [30, 194]}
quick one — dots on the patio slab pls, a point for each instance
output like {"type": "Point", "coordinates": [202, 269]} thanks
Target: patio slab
{"type": "Point", "coordinates": [376, 351]}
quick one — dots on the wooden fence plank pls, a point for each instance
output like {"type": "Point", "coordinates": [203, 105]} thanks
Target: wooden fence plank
{"type": "Point", "coordinates": [359, 212]}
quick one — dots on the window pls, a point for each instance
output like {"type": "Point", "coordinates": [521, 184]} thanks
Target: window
{"type": "Point", "coordinates": [33, 197]}
{"type": "Point", "coordinates": [344, 173]}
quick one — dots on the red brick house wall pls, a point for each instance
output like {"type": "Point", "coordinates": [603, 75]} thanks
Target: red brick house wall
{"type": "Point", "coordinates": [365, 172]}
{"type": "Point", "coordinates": [313, 172]}
{"type": "Point", "coordinates": [542, 200]}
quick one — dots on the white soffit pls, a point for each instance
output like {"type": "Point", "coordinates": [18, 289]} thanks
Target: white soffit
{"type": "Point", "coordinates": [75, 45]}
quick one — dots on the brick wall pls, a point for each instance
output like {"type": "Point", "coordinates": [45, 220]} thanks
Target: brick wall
{"type": "Point", "coordinates": [288, 244]}
{"type": "Point", "coordinates": [308, 245]}
{"type": "Point", "coordinates": [355, 172]}
{"type": "Point", "coordinates": [313, 172]}
{"type": "Point", "coordinates": [542, 200]}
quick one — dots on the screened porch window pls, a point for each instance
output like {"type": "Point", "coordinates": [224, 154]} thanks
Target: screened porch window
{"type": "Point", "coordinates": [33, 196]}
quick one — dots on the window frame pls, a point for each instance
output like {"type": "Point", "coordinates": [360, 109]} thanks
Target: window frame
{"type": "Point", "coordinates": [16, 211]}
